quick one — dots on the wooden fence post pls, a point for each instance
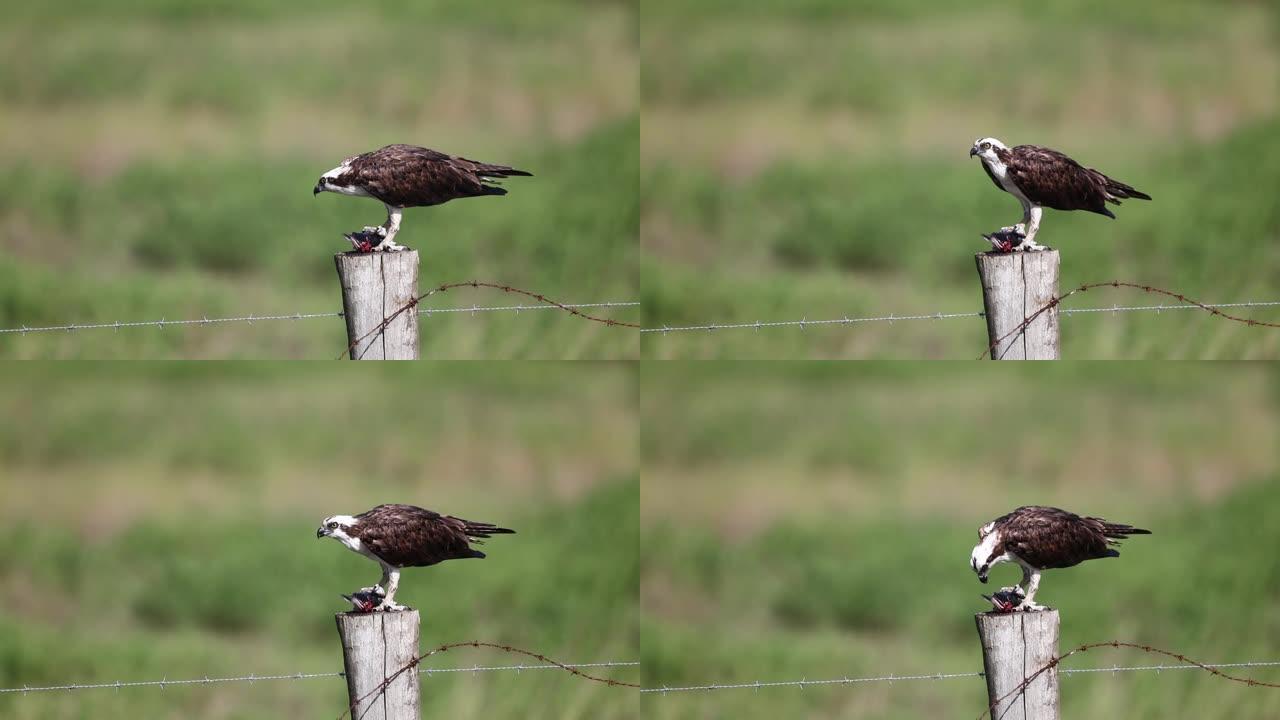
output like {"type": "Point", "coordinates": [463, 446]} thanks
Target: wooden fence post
{"type": "Point", "coordinates": [1015, 285]}
{"type": "Point", "coordinates": [1014, 646]}
{"type": "Point", "coordinates": [375, 285]}
{"type": "Point", "coordinates": [374, 646]}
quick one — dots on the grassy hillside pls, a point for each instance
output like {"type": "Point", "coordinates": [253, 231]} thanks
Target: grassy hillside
{"type": "Point", "coordinates": [151, 538]}
{"type": "Point", "coordinates": [158, 159]}
{"type": "Point", "coordinates": [809, 160]}
{"type": "Point", "coordinates": [804, 521]}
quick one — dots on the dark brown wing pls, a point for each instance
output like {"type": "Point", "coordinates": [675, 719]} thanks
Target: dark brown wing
{"type": "Point", "coordinates": [412, 176]}
{"type": "Point", "coordinates": [410, 536]}
{"type": "Point", "coordinates": [1048, 537]}
{"type": "Point", "coordinates": [1051, 179]}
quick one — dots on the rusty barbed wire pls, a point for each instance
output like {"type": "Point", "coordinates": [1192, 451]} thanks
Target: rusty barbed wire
{"type": "Point", "coordinates": [1188, 303]}
{"type": "Point", "coordinates": [382, 326]}
{"type": "Point", "coordinates": [382, 686]}
{"type": "Point", "coordinates": [1211, 669]}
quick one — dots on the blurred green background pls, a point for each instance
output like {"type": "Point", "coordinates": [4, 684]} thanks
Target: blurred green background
{"type": "Point", "coordinates": [809, 159]}
{"type": "Point", "coordinates": [157, 159]}
{"type": "Point", "coordinates": [804, 520]}
{"type": "Point", "coordinates": [158, 521]}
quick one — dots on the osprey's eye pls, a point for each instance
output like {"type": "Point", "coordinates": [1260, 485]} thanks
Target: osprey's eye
{"type": "Point", "coordinates": [333, 526]}
{"type": "Point", "coordinates": [986, 146]}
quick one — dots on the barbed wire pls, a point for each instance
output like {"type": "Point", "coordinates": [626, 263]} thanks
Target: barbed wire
{"type": "Point", "coordinates": [165, 682]}
{"type": "Point", "coordinates": [804, 682]}
{"type": "Point", "coordinates": [382, 686]}
{"type": "Point", "coordinates": [1188, 302]}
{"type": "Point", "coordinates": [755, 685]}
{"type": "Point", "coordinates": [553, 304]}
{"type": "Point", "coordinates": [163, 322]}
{"type": "Point", "coordinates": [805, 322]}
{"type": "Point", "coordinates": [1188, 662]}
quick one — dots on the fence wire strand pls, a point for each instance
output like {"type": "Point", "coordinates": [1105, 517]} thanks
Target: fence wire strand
{"type": "Point", "coordinates": [805, 322]}
{"type": "Point", "coordinates": [381, 688]}
{"type": "Point", "coordinates": [381, 327]}
{"type": "Point", "coordinates": [940, 676]}
{"type": "Point", "coordinates": [250, 319]}
{"type": "Point", "coordinates": [1188, 662]}
{"type": "Point", "coordinates": [165, 682]}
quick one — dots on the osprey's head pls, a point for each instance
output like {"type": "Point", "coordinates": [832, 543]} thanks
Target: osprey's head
{"type": "Point", "coordinates": [984, 554]}
{"type": "Point", "coordinates": [336, 527]}
{"type": "Point", "coordinates": [985, 148]}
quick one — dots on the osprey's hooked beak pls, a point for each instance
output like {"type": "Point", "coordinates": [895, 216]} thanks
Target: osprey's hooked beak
{"type": "Point", "coordinates": [320, 531]}
{"type": "Point", "coordinates": [982, 571]}
{"type": "Point", "coordinates": [317, 190]}
{"type": "Point", "coordinates": [972, 151]}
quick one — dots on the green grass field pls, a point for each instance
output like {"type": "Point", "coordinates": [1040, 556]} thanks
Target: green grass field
{"type": "Point", "coordinates": [158, 158]}
{"type": "Point", "coordinates": [814, 521]}
{"type": "Point", "coordinates": [809, 160]}
{"type": "Point", "coordinates": [159, 522]}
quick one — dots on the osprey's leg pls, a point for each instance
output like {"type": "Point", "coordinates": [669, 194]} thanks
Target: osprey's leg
{"type": "Point", "coordinates": [1020, 228]}
{"type": "Point", "coordinates": [1020, 588]}
{"type": "Point", "coordinates": [389, 230]}
{"type": "Point", "coordinates": [389, 602]}
{"type": "Point", "coordinates": [1030, 586]}
{"type": "Point", "coordinates": [1033, 227]}
{"type": "Point", "coordinates": [381, 587]}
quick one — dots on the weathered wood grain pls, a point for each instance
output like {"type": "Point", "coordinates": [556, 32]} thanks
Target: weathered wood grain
{"type": "Point", "coordinates": [374, 646]}
{"type": "Point", "coordinates": [1014, 646]}
{"type": "Point", "coordinates": [1015, 285]}
{"type": "Point", "coordinates": [374, 286]}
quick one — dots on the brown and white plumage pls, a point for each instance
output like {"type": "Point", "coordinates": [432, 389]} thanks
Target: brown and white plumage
{"type": "Point", "coordinates": [1041, 177]}
{"type": "Point", "coordinates": [404, 176]}
{"type": "Point", "coordinates": [399, 536]}
{"type": "Point", "coordinates": [1039, 538]}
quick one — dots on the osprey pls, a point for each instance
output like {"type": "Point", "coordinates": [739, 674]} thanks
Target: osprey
{"type": "Point", "coordinates": [401, 536]}
{"type": "Point", "coordinates": [403, 176]}
{"type": "Point", "coordinates": [1039, 538]}
{"type": "Point", "coordinates": [1041, 178]}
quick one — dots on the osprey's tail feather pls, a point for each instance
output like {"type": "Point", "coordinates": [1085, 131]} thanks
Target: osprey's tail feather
{"type": "Point", "coordinates": [1117, 531]}
{"type": "Point", "coordinates": [1117, 191]}
{"type": "Point", "coordinates": [499, 171]}
{"type": "Point", "coordinates": [482, 530]}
